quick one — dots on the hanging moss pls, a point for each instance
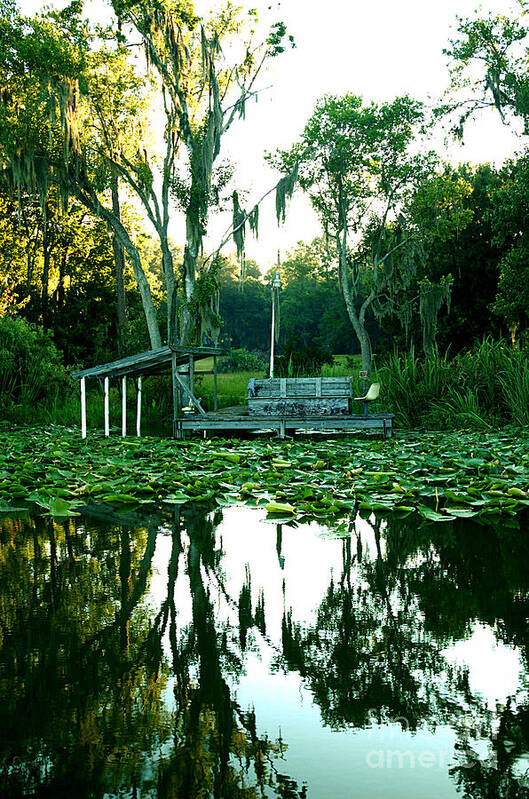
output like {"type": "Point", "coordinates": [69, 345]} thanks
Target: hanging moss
{"type": "Point", "coordinates": [431, 298]}
{"type": "Point", "coordinates": [238, 220]}
{"type": "Point", "coordinates": [204, 306]}
{"type": "Point", "coordinates": [253, 221]}
{"type": "Point", "coordinates": [284, 191]}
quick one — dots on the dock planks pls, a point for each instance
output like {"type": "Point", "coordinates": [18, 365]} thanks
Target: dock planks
{"type": "Point", "coordinates": [240, 421]}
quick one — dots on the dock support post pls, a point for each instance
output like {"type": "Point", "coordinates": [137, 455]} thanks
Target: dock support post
{"type": "Point", "coordinates": [123, 406]}
{"type": "Point", "coordinates": [282, 428]}
{"type": "Point", "coordinates": [83, 407]}
{"type": "Point", "coordinates": [215, 399]}
{"type": "Point", "coordinates": [175, 396]}
{"type": "Point", "coordinates": [138, 408]}
{"type": "Point", "coordinates": [107, 407]}
{"type": "Point", "coordinates": [191, 376]}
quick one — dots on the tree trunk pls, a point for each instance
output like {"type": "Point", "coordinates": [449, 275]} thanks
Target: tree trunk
{"type": "Point", "coordinates": [46, 252]}
{"type": "Point", "coordinates": [192, 248]}
{"type": "Point", "coordinates": [119, 269]}
{"type": "Point", "coordinates": [90, 200]}
{"type": "Point", "coordinates": [170, 285]}
{"type": "Point", "coordinates": [145, 289]}
{"type": "Point", "coordinates": [62, 275]}
{"type": "Point", "coordinates": [356, 319]}
{"type": "Point", "coordinates": [167, 256]}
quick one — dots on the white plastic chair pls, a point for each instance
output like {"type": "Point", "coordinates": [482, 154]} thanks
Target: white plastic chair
{"type": "Point", "coordinates": [373, 393]}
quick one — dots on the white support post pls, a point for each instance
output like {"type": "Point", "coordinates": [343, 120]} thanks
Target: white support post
{"type": "Point", "coordinates": [107, 407]}
{"type": "Point", "coordinates": [123, 406]}
{"type": "Point", "coordinates": [138, 409]}
{"type": "Point", "coordinates": [272, 336]}
{"type": "Point", "coordinates": [83, 408]}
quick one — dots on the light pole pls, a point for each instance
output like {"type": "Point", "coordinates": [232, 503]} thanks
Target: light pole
{"type": "Point", "coordinates": [276, 285]}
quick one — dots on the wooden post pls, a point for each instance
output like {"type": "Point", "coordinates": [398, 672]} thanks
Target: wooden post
{"type": "Point", "coordinates": [191, 374]}
{"type": "Point", "coordinates": [124, 406]}
{"type": "Point", "coordinates": [138, 408]}
{"type": "Point", "coordinates": [215, 399]}
{"type": "Point", "coordinates": [107, 406]}
{"type": "Point", "coordinates": [175, 394]}
{"type": "Point", "coordinates": [83, 408]}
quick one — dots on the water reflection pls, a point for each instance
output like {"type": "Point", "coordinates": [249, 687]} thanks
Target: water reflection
{"type": "Point", "coordinates": [210, 656]}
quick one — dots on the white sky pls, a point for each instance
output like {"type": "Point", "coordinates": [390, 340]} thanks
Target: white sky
{"type": "Point", "coordinates": [377, 49]}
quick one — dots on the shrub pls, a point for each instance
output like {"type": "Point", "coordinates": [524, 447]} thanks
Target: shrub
{"type": "Point", "coordinates": [241, 361]}
{"type": "Point", "coordinates": [31, 369]}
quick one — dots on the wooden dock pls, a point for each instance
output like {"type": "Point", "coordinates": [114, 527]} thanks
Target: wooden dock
{"type": "Point", "coordinates": [238, 419]}
{"type": "Point", "coordinates": [281, 405]}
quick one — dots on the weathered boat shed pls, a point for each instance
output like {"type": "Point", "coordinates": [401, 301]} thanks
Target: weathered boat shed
{"type": "Point", "coordinates": [180, 361]}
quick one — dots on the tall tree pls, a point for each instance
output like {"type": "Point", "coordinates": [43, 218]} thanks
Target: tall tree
{"type": "Point", "coordinates": [47, 133]}
{"type": "Point", "coordinates": [72, 114]}
{"type": "Point", "coordinates": [203, 93]}
{"type": "Point", "coordinates": [355, 164]}
{"type": "Point", "coordinates": [488, 68]}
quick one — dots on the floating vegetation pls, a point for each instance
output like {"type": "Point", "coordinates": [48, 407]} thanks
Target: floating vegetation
{"type": "Point", "coordinates": [440, 476]}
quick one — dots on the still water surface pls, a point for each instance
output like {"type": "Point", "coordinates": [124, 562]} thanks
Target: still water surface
{"type": "Point", "coordinates": [221, 655]}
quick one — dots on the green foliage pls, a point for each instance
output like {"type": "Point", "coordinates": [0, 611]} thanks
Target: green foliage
{"type": "Point", "coordinates": [466, 250]}
{"type": "Point", "coordinates": [431, 299]}
{"type": "Point", "coordinates": [411, 384]}
{"type": "Point", "coordinates": [60, 273]}
{"type": "Point", "coordinates": [241, 361]}
{"type": "Point", "coordinates": [487, 473]}
{"type": "Point", "coordinates": [485, 387]}
{"type": "Point", "coordinates": [349, 152]}
{"type": "Point", "coordinates": [203, 307]}
{"type": "Point", "coordinates": [488, 68]}
{"type": "Point", "coordinates": [232, 388]}
{"type": "Point", "coordinates": [352, 158]}
{"type": "Point", "coordinates": [31, 369]}
{"type": "Point", "coordinates": [515, 384]}
{"type": "Point", "coordinates": [509, 218]}
{"type": "Point", "coordinates": [415, 254]}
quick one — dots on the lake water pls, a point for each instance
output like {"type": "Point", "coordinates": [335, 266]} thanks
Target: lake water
{"type": "Point", "coordinates": [223, 655]}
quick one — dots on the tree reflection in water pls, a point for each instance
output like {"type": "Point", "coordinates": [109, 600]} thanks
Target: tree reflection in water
{"type": "Point", "coordinates": [103, 692]}
{"type": "Point", "coordinates": [375, 652]}
{"type": "Point", "coordinates": [85, 681]}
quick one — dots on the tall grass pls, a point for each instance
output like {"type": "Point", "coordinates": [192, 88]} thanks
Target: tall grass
{"type": "Point", "coordinates": [412, 384]}
{"type": "Point", "coordinates": [342, 366]}
{"type": "Point", "coordinates": [515, 385]}
{"type": "Point", "coordinates": [485, 387]}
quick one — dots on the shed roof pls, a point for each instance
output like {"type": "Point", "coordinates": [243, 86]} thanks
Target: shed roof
{"type": "Point", "coordinates": [149, 362]}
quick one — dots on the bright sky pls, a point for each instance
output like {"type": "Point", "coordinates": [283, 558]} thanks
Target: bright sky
{"type": "Point", "coordinates": [377, 49]}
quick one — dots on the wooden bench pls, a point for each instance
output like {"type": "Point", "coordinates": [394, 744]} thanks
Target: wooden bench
{"type": "Point", "coordinates": [300, 396]}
